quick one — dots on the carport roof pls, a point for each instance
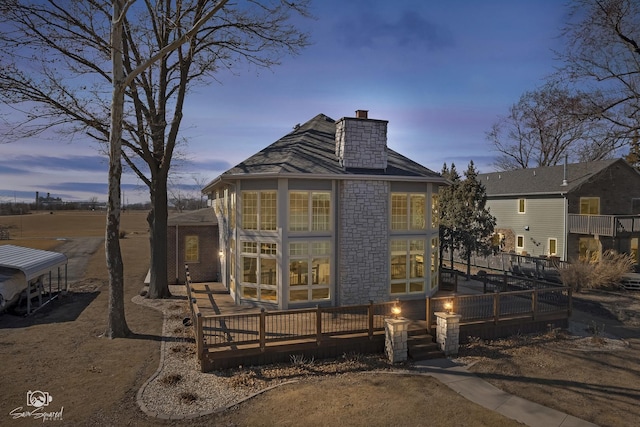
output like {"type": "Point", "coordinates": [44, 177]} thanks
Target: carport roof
{"type": "Point", "coordinates": [32, 262]}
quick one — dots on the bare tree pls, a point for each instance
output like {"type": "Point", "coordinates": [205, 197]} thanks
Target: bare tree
{"type": "Point", "coordinates": [55, 69]}
{"type": "Point", "coordinates": [602, 57]}
{"type": "Point", "coordinates": [546, 125]}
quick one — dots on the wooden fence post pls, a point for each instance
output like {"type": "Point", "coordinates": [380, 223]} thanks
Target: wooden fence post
{"type": "Point", "coordinates": [496, 307]}
{"type": "Point", "coordinates": [318, 324]}
{"type": "Point", "coordinates": [428, 316]}
{"type": "Point", "coordinates": [262, 329]}
{"type": "Point", "coordinates": [370, 315]}
{"type": "Point", "coordinates": [199, 336]}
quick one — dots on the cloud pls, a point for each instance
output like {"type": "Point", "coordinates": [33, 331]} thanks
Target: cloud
{"type": "Point", "coordinates": [29, 163]}
{"type": "Point", "coordinates": [408, 31]}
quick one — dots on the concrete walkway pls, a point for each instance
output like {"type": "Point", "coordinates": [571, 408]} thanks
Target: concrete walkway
{"type": "Point", "coordinates": [468, 385]}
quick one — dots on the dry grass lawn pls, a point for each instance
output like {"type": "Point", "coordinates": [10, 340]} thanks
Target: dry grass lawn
{"type": "Point", "coordinates": [61, 350]}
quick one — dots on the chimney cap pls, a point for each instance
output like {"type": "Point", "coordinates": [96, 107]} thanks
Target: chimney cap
{"type": "Point", "coordinates": [362, 114]}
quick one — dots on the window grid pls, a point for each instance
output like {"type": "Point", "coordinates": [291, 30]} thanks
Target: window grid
{"type": "Point", "coordinates": [250, 210]}
{"type": "Point", "coordinates": [320, 211]}
{"type": "Point", "coordinates": [268, 210]}
{"type": "Point", "coordinates": [417, 213]}
{"type": "Point", "coordinates": [309, 271]}
{"type": "Point", "coordinates": [259, 271]}
{"type": "Point", "coordinates": [191, 249]}
{"type": "Point", "coordinates": [519, 242]}
{"type": "Point", "coordinates": [435, 214]}
{"type": "Point", "coordinates": [435, 262]}
{"type": "Point", "coordinates": [553, 247]}
{"type": "Point", "coordinates": [521, 206]}
{"type": "Point", "coordinates": [399, 211]}
{"type": "Point", "coordinates": [298, 211]}
{"type": "Point", "coordinates": [407, 266]}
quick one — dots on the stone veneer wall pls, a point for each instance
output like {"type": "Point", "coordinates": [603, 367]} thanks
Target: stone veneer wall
{"type": "Point", "coordinates": [362, 143]}
{"type": "Point", "coordinates": [363, 242]}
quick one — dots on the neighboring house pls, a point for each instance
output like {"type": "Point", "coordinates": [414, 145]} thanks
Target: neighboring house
{"type": "Point", "coordinates": [328, 215]}
{"type": "Point", "coordinates": [566, 211]}
{"type": "Point", "coordinates": [192, 238]}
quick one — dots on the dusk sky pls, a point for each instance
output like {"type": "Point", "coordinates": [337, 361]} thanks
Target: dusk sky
{"type": "Point", "coordinates": [440, 72]}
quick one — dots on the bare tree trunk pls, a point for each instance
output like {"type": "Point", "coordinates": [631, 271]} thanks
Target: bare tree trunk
{"type": "Point", "coordinates": [157, 219]}
{"type": "Point", "coordinates": [116, 322]}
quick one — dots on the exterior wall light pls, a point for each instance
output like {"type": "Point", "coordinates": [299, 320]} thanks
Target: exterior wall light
{"type": "Point", "coordinates": [396, 310]}
{"type": "Point", "coordinates": [448, 306]}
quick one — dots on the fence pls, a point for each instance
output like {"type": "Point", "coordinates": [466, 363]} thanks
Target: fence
{"type": "Point", "coordinates": [231, 335]}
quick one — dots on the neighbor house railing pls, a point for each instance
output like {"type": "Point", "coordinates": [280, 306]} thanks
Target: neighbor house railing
{"type": "Point", "coordinates": [603, 225]}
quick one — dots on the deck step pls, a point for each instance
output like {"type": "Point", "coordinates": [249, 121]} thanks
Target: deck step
{"type": "Point", "coordinates": [422, 347]}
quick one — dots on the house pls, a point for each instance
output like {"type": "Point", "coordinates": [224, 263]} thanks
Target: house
{"type": "Point", "coordinates": [568, 211]}
{"type": "Point", "coordinates": [192, 239]}
{"type": "Point", "coordinates": [328, 215]}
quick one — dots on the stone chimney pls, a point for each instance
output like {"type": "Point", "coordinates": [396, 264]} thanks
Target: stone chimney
{"type": "Point", "coordinates": [361, 142]}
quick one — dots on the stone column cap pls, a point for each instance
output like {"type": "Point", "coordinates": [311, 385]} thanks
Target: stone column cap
{"type": "Point", "coordinates": [445, 315]}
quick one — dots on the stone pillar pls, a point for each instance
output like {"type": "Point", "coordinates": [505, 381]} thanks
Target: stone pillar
{"type": "Point", "coordinates": [395, 343]}
{"type": "Point", "coordinates": [448, 332]}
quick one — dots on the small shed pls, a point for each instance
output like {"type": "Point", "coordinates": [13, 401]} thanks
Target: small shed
{"type": "Point", "coordinates": [30, 273]}
{"type": "Point", "coordinates": [192, 239]}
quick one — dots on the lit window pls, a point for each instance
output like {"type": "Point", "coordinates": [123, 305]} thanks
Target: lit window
{"type": "Point", "coordinates": [259, 271]}
{"type": "Point", "coordinates": [309, 271]}
{"type": "Point", "coordinates": [553, 247]}
{"type": "Point", "coordinates": [259, 209]}
{"type": "Point", "coordinates": [589, 205]}
{"type": "Point", "coordinates": [191, 249]}
{"type": "Point", "coordinates": [519, 242]}
{"type": "Point", "coordinates": [521, 206]}
{"type": "Point", "coordinates": [407, 266]}
{"type": "Point", "coordinates": [309, 211]}
{"type": "Point", "coordinates": [408, 211]}
{"type": "Point", "coordinates": [435, 214]}
{"type": "Point", "coordinates": [435, 260]}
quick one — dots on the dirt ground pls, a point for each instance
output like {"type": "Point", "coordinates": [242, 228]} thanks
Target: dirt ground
{"type": "Point", "coordinates": [94, 380]}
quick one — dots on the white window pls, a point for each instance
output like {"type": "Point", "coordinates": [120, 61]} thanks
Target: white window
{"type": "Point", "coordinates": [309, 211]}
{"type": "Point", "coordinates": [309, 271]}
{"type": "Point", "coordinates": [590, 205]}
{"type": "Point", "coordinates": [553, 247]}
{"type": "Point", "coordinates": [408, 211]}
{"type": "Point", "coordinates": [259, 271]}
{"type": "Point", "coordinates": [435, 261]}
{"type": "Point", "coordinates": [259, 210]}
{"type": "Point", "coordinates": [191, 249]}
{"type": "Point", "coordinates": [407, 266]}
{"type": "Point", "coordinates": [521, 206]}
{"type": "Point", "coordinates": [519, 242]}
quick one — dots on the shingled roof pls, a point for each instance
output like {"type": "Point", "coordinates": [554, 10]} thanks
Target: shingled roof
{"type": "Point", "coordinates": [543, 180]}
{"type": "Point", "coordinates": [310, 150]}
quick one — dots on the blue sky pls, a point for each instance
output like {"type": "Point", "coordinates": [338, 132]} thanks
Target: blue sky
{"type": "Point", "coordinates": [440, 72]}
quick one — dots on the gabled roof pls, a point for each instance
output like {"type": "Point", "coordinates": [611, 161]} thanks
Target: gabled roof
{"type": "Point", "coordinates": [543, 180]}
{"type": "Point", "coordinates": [205, 216]}
{"type": "Point", "coordinates": [310, 150]}
{"type": "Point", "coordinates": [32, 262]}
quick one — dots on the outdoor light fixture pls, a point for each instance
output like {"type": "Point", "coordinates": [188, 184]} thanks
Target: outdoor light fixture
{"type": "Point", "coordinates": [395, 310]}
{"type": "Point", "coordinates": [448, 306]}
{"type": "Point", "coordinates": [220, 254]}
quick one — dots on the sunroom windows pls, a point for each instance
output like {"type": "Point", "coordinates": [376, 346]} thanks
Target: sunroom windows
{"type": "Point", "coordinates": [259, 210]}
{"type": "Point", "coordinates": [309, 211]}
{"type": "Point", "coordinates": [259, 271]}
{"type": "Point", "coordinates": [408, 211]}
{"type": "Point", "coordinates": [407, 266]}
{"type": "Point", "coordinates": [309, 271]}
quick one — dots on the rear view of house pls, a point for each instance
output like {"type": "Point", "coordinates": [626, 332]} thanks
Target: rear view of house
{"type": "Point", "coordinates": [328, 215]}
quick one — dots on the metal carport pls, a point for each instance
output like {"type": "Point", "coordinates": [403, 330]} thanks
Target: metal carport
{"type": "Point", "coordinates": [35, 265]}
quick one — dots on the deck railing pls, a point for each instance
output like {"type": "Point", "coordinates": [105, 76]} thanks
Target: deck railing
{"type": "Point", "coordinates": [603, 225]}
{"type": "Point", "coordinates": [272, 328]}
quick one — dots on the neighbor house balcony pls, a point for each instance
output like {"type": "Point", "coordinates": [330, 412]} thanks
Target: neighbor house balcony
{"type": "Point", "coordinates": [604, 225]}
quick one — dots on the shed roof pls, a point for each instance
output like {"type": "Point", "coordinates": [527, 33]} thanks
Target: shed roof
{"type": "Point", "coordinates": [32, 262]}
{"type": "Point", "coordinates": [204, 216]}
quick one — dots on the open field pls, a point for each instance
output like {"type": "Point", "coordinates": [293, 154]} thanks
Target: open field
{"type": "Point", "coordinates": [61, 350]}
